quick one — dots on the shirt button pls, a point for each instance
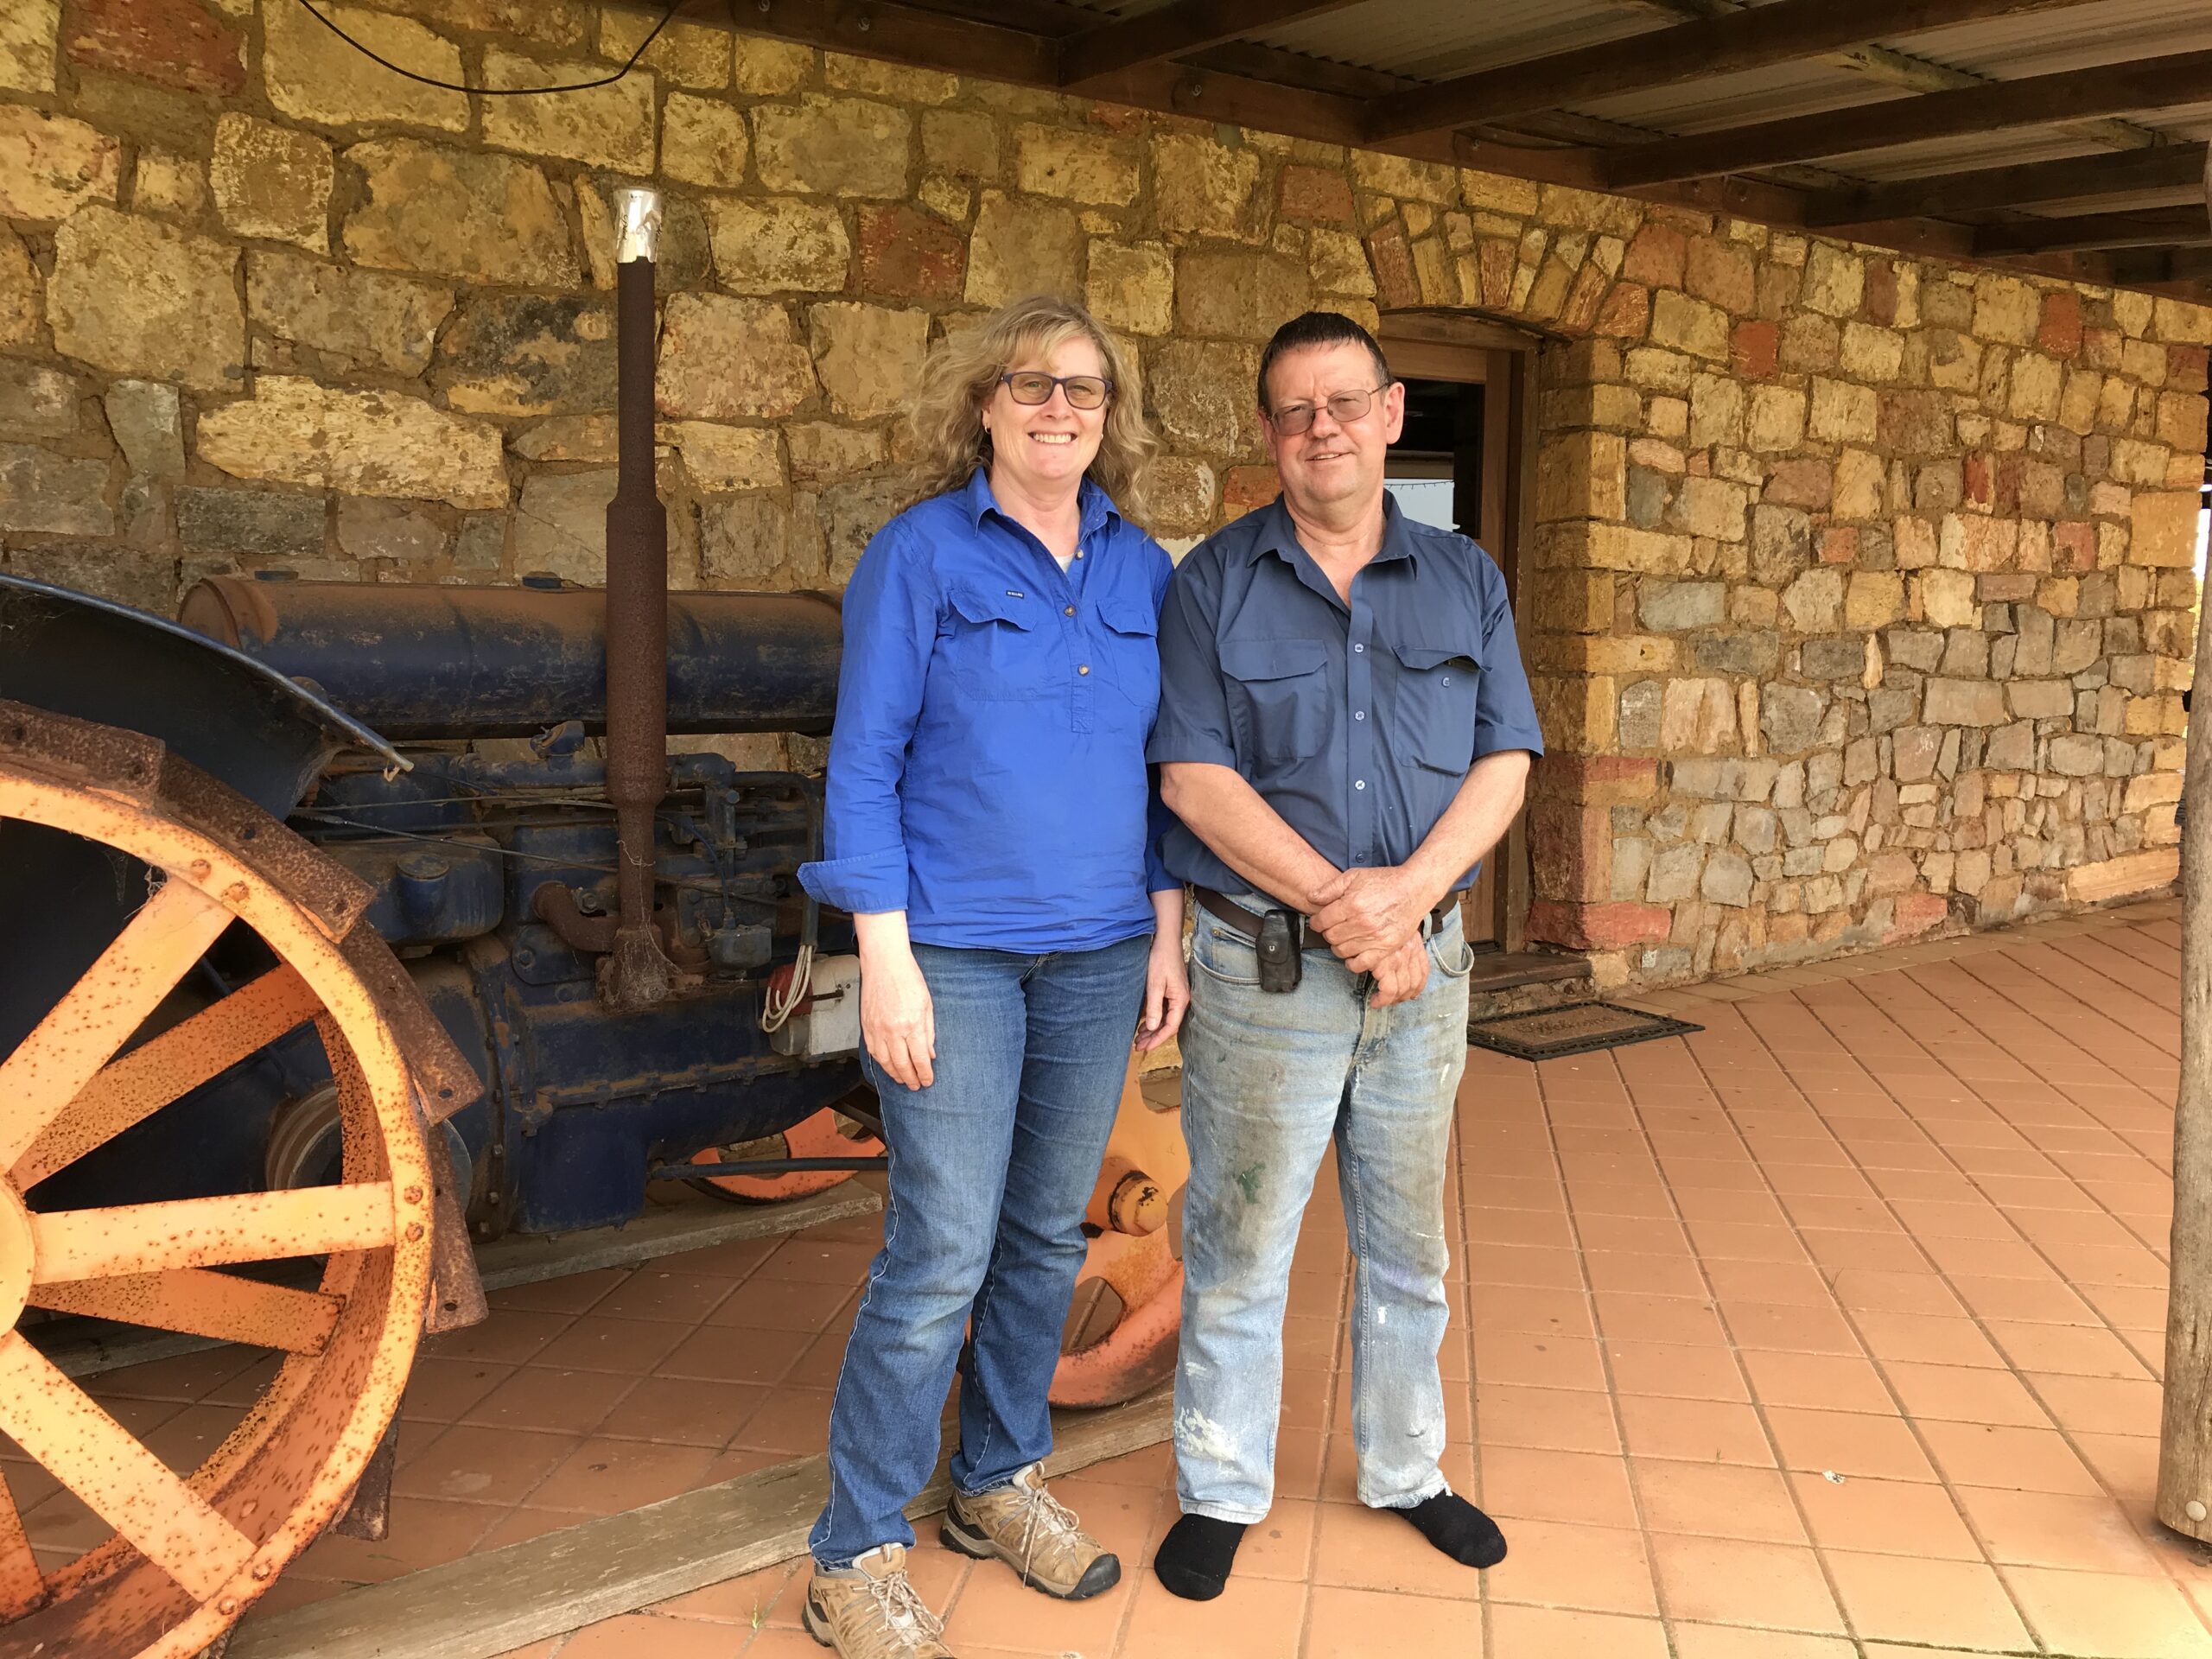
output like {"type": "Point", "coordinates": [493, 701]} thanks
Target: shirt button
{"type": "Point", "coordinates": [1359, 647]}
{"type": "Point", "coordinates": [1079, 552]}
{"type": "Point", "coordinates": [1085, 669]}
{"type": "Point", "coordinates": [1069, 612]}
{"type": "Point", "coordinates": [1359, 713]}
{"type": "Point", "coordinates": [1361, 784]}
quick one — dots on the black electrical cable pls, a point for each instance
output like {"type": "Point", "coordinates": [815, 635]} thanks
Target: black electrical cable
{"type": "Point", "coordinates": [497, 92]}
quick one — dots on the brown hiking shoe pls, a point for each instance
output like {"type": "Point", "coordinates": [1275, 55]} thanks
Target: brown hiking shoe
{"type": "Point", "coordinates": [1033, 1533]}
{"type": "Point", "coordinates": [873, 1612]}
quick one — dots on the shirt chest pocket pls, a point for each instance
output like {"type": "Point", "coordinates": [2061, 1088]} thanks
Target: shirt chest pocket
{"type": "Point", "coordinates": [1436, 683]}
{"type": "Point", "coordinates": [1131, 648]}
{"type": "Point", "coordinates": [1278, 697]}
{"type": "Point", "coordinates": [997, 646]}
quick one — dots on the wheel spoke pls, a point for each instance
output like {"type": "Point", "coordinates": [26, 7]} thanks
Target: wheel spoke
{"type": "Point", "coordinates": [133, 1491]}
{"type": "Point", "coordinates": [96, 1015]}
{"type": "Point", "coordinates": [127, 1090]}
{"type": "Point", "coordinates": [203, 1304]}
{"type": "Point", "coordinates": [22, 1585]}
{"type": "Point", "coordinates": [141, 1238]}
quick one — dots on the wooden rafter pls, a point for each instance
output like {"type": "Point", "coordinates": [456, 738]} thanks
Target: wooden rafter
{"type": "Point", "coordinates": [1780, 33]}
{"type": "Point", "coordinates": [2158, 228]}
{"type": "Point", "coordinates": [2034, 100]}
{"type": "Point", "coordinates": [2163, 266]}
{"type": "Point", "coordinates": [1181, 27]}
{"type": "Point", "coordinates": [2167, 167]}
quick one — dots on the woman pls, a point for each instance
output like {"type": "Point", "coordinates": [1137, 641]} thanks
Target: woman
{"type": "Point", "coordinates": [993, 832]}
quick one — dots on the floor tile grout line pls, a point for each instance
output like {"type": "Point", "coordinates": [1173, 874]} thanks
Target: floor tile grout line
{"type": "Point", "coordinates": [2025, 1380]}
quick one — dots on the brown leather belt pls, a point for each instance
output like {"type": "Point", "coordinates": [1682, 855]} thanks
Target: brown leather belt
{"type": "Point", "coordinates": [1247, 922]}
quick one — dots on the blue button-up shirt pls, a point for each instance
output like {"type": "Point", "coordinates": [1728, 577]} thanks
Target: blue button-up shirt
{"type": "Point", "coordinates": [1357, 722]}
{"type": "Point", "coordinates": [987, 772]}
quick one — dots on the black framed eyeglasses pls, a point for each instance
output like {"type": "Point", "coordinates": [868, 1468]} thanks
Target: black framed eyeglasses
{"type": "Point", "coordinates": [1032, 387]}
{"type": "Point", "coordinates": [1344, 407]}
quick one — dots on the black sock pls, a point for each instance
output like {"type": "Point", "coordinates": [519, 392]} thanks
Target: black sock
{"type": "Point", "coordinates": [1458, 1528]}
{"type": "Point", "coordinates": [1193, 1559]}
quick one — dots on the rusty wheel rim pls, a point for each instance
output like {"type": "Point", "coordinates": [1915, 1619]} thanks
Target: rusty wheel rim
{"type": "Point", "coordinates": [190, 1552]}
{"type": "Point", "coordinates": [818, 1136]}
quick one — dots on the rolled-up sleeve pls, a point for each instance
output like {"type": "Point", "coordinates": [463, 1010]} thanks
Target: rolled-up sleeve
{"type": "Point", "coordinates": [1505, 714]}
{"type": "Point", "coordinates": [1193, 723]}
{"type": "Point", "coordinates": [890, 629]}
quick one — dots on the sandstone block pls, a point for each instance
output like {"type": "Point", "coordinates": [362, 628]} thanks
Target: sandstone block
{"type": "Point", "coordinates": [36, 401]}
{"type": "Point", "coordinates": [1874, 600]}
{"type": "Point", "coordinates": [1673, 607]}
{"type": "Point", "coordinates": [361, 318]}
{"type": "Point", "coordinates": [905, 254]}
{"type": "Point", "coordinates": [484, 219]}
{"type": "Point", "coordinates": [1712, 507]}
{"type": "Point", "coordinates": [1497, 193]}
{"type": "Point", "coordinates": [149, 424]}
{"type": "Point", "coordinates": [1789, 718]}
{"type": "Point", "coordinates": [171, 185]}
{"type": "Point", "coordinates": [1726, 880]}
{"type": "Point", "coordinates": [1843, 413]}
{"type": "Point", "coordinates": [2180, 320]}
{"type": "Point", "coordinates": [51, 165]}
{"type": "Point", "coordinates": [1837, 657]}
{"type": "Point", "coordinates": [28, 30]}
{"type": "Point", "coordinates": [22, 292]}
{"type": "Point", "coordinates": [1182, 495]}
{"type": "Point", "coordinates": [1859, 477]}
{"type": "Point", "coordinates": [2037, 383]}
{"type": "Point", "coordinates": [371, 529]}
{"type": "Point", "coordinates": [1683, 324]}
{"type": "Point", "coordinates": [2005, 308]}
{"type": "Point", "coordinates": [762, 540]}
{"type": "Point", "coordinates": [2041, 699]}
{"type": "Point", "coordinates": [702, 141]}
{"type": "Point", "coordinates": [560, 525]}
{"type": "Point", "coordinates": [1022, 247]}
{"type": "Point", "coordinates": [271, 181]}
{"type": "Point", "coordinates": [869, 357]}
{"type": "Point", "coordinates": [1965, 703]}
{"type": "Point", "coordinates": [1814, 599]}
{"type": "Point", "coordinates": [1777, 419]}
{"type": "Point", "coordinates": [901, 82]}
{"type": "Point", "coordinates": [1716, 411]}
{"type": "Point", "coordinates": [721, 459]}
{"type": "Point", "coordinates": [769, 68]}
{"type": "Point", "coordinates": [1131, 286]}
{"type": "Point", "coordinates": [1199, 185]}
{"type": "Point", "coordinates": [1337, 260]}
{"type": "Point", "coordinates": [834, 147]}
{"type": "Point", "coordinates": [2116, 878]}
{"type": "Point", "coordinates": [961, 143]}
{"type": "Point", "coordinates": [1073, 165]}
{"type": "Point", "coordinates": [53, 495]}
{"type": "Point", "coordinates": [312, 75]}
{"type": "Point", "coordinates": [1315, 193]}
{"type": "Point", "coordinates": [780, 245]}
{"type": "Point", "coordinates": [823, 453]}
{"type": "Point", "coordinates": [723, 359]}
{"type": "Point", "coordinates": [177, 319]}
{"type": "Point", "coordinates": [1870, 353]}
{"type": "Point", "coordinates": [530, 354]}
{"type": "Point", "coordinates": [1835, 282]}
{"type": "Point", "coordinates": [294, 431]}
{"type": "Point", "coordinates": [608, 126]}
{"type": "Point", "coordinates": [250, 524]}
{"type": "Point", "coordinates": [1201, 394]}
{"type": "Point", "coordinates": [1231, 293]}
{"type": "Point", "coordinates": [684, 53]}
{"type": "Point", "coordinates": [171, 42]}
{"type": "Point", "coordinates": [2163, 528]}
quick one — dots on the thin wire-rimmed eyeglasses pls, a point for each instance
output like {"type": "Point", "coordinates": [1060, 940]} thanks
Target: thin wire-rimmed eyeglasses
{"type": "Point", "coordinates": [1033, 388]}
{"type": "Point", "coordinates": [1344, 407]}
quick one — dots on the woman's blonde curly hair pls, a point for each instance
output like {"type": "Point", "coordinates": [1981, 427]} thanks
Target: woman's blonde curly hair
{"type": "Point", "coordinates": [946, 417]}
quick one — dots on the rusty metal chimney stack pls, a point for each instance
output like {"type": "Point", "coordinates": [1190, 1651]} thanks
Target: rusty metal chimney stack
{"type": "Point", "coordinates": [639, 972]}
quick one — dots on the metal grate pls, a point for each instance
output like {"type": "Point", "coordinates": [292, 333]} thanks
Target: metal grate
{"type": "Point", "coordinates": [1578, 1028]}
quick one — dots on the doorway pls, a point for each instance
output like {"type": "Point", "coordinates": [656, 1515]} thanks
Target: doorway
{"type": "Point", "coordinates": [1464, 464]}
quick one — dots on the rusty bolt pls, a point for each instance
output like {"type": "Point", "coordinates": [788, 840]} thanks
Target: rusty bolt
{"type": "Point", "coordinates": [413, 1231]}
{"type": "Point", "coordinates": [236, 893]}
{"type": "Point", "coordinates": [227, 1605]}
{"type": "Point", "coordinates": [413, 1195]}
{"type": "Point", "coordinates": [200, 869]}
{"type": "Point", "coordinates": [261, 1569]}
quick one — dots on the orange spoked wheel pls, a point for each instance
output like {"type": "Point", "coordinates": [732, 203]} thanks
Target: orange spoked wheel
{"type": "Point", "coordinates": [177, 1553]}
{"type": "Point", "coordinates": [828, 1134]}
{"type": "Point", "coordinates": [1120, 1337]}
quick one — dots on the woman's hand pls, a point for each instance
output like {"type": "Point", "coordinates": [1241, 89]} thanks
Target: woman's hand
{"type": "Point", "coordinates": [1167, 992]}
{"type": "Point", "coordinates": [897, 1021]}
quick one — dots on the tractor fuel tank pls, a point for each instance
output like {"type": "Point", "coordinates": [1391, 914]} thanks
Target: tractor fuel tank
{"type": "Point", "coordinates": [417, 663]}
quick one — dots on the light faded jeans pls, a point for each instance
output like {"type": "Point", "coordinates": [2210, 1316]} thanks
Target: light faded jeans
{"type": "Point", "coordinates": [1268, 1079]}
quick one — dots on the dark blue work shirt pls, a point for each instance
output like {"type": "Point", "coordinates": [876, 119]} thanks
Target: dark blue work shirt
{"type": "Point", "coordinates": [1356, 723]}
{"type": "Point", "coordinates": [986, 771]}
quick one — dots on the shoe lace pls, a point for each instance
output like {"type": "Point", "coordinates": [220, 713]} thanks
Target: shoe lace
{"type": "Point", "coordinates": [895, 1599]}
{"type": "Point", "coordinates": [1042, 1513]}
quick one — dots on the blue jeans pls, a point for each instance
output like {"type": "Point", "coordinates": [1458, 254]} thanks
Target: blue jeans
{"type": "Point", "coordinates": [991, 1167]}
{"type": "Point", "coordinates": [1268, 1079]}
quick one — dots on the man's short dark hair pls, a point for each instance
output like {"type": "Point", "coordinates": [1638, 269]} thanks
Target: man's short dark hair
{"type": "Point", "coordinates": [1319, 328]}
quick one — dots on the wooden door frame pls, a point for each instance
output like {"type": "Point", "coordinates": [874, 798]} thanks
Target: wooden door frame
{"type": "Point", "coordinates": [1427, 345]}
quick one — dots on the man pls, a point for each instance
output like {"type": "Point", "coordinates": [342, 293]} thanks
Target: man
{"type": "Point", "coordinates": [1344, 732]}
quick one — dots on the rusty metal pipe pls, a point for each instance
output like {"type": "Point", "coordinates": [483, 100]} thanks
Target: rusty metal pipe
{"type": "Point", "coordinates": [639, 972]}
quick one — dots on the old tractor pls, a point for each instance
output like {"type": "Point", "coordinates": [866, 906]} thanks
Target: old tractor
{"type": "Point", "coordinates": [348, 924]}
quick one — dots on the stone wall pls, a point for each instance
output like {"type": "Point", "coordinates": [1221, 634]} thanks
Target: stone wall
{"type": "Point", "coordinates": [1860, 593]}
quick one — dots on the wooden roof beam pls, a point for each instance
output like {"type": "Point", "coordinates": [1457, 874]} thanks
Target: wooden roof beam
{"type": "Point", "coordinates": [1174, 29]}
{"type": "Point", "coordinates": [2162, 267]}
{"type": "Point", "coordinates": [2185, 227]}
{"type": "Point", "coordinates": [1779, 33]}
{"type": "Point", "coordinates": [2036, 100]}
{"type": "Point", "coordinates": [2167, 167]}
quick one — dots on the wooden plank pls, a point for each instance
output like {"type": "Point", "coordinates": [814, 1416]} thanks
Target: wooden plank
{"type": "Point", "coordinates": [2034, 100]}
{"type": "Point", "coordinates": [1172, 29]}
{"type": "Point", "coordinates": [2168, 167]}
{"type": "Point", "coordinates": [492, 1602]}
{"type": "Point", "coordinates": [1777, 32]}
{"type": "Point", "coordinates": [2175, 227]}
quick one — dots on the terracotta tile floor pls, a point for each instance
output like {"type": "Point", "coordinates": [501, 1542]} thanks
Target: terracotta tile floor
{"type": "Point", "coordinates": [1831, 1330]}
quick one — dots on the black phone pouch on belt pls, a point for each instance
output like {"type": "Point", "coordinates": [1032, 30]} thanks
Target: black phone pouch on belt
{"type": "Point", "coordinates": [1280, 964]}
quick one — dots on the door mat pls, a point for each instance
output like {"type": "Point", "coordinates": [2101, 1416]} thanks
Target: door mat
{"type": "Point", "coordinates": [1578, 1028]}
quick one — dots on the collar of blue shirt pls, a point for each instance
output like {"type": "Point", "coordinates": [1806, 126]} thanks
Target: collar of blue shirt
{"type": "Point", "coordinates": [1094, 505]}
{"type": "Point", "coordinates": [1278, 534]}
